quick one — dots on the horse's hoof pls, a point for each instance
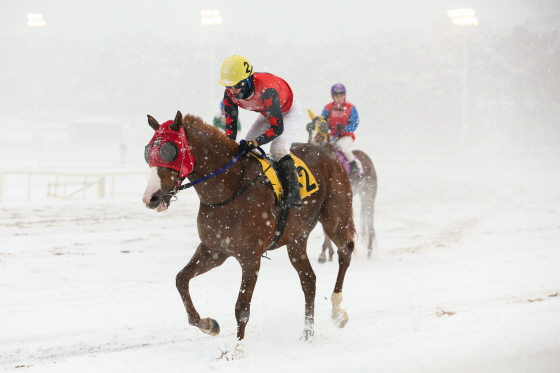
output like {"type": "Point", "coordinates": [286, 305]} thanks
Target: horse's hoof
{"type": "Point", "coordinates": [239, 351]}
{"type": "Point", "coordinates": [308, 335]}
{"type": "Point", "coordinates": [228, 353]}
{"type": "Point", "coordinates": [340, 320]}
{"type": "Point", "coordinates": [209, 326]}
{"type": "Point", "coordinates": [322, 259]}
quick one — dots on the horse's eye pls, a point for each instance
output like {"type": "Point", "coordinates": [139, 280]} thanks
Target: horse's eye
{"type": "Point", "coordinates": [168, 152]}
{"type": "Point", "coordinates": [147, 153]}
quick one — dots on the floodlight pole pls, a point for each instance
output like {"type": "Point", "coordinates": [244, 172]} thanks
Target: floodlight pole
{"type": "Point", "coordinates": [35, 20]}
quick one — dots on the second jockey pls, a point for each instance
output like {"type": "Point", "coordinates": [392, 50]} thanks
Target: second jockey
{"type": "Point", "coordinates": [343, 120]}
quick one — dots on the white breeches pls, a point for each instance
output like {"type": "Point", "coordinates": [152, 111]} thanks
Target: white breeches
{"type": "Point", "coordinates": [344, 144]}
{"type": "Point", "coordinates": [280, 146]}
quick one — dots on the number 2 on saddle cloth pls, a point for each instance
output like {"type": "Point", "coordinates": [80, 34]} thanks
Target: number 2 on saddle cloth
{"type": "Point", "coordinates": [308, 184]}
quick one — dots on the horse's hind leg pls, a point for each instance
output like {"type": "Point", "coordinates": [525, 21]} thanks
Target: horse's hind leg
{"type": "Point", "coordinates": [339, 315]}
{"type": "Point", "coordinates": [366, 214]}
{"type": "Point", "coordinates": [341, 232]}
{"type": "Point", "coordinates": [202, 261]}
{"type": "Point", "coordinates": [327, 245]}
{"type": "Point", "coordinates": [300, 261]}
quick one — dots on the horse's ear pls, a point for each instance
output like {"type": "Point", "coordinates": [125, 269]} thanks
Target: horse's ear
{"type": "Point", "coordinates": [153, 123]}
{"type": "Point", "coordinates": [311, 115]}
{"type": "Point", "coordinates": [177, 122]}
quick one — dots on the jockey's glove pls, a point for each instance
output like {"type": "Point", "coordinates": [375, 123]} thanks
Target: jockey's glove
{"type": "Point", "coordinates": [246, 146]}
{"type": "Point", "coordinates": [340, 127]}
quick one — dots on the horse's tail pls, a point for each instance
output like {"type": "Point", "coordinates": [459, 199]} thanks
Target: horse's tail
{"type": "Point", "coordinates": [367, 199]}
{"type": "Point", "coordinates": [368, 192]}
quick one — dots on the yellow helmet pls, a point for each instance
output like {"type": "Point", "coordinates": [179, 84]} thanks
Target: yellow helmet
{"type": "Point", "coordinates": [234, 69]}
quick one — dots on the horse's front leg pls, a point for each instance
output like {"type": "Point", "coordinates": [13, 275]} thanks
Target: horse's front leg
{"type": "Point", "coordinates": [300, 261]}
{"type": "Point", "coordinates": [250, 271]}
{"type": "Point", "coordinates": [202, 261]}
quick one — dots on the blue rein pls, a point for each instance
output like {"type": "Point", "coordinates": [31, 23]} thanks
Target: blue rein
{"type": "Point", "coordinates": [209, 176]}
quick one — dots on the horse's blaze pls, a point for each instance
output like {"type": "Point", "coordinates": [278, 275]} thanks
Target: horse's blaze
{"type": "Point", "coordinates": [151, 197]}
{"type": "Point", "coordinates": [154, 184]}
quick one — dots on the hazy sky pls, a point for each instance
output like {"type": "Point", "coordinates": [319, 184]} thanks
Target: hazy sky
{"type": "Point", "coordinates": [291, 19]}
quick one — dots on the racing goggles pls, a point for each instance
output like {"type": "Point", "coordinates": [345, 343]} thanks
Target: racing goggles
{"type": "Point", "coordinates": [239, 85]}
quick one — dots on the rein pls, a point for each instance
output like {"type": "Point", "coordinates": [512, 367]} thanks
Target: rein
{"type": "Point", "coordinates": [173, 193]}
{"type": "Point", "coordinates": [209, 176]}
{"type": "Point", "coordinates": [239, 191]}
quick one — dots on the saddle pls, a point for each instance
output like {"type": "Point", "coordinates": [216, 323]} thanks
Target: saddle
{"type": "Point", "coordinates": [342, 159]}
{"type": "Point", "coordinates": [308, 184]}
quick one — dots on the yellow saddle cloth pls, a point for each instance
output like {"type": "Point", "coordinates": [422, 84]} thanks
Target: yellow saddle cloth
{"type": "Point", "coordinates": [307, 183]}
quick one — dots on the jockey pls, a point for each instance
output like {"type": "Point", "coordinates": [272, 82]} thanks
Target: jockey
{"type": "Point", "coordinates": [343, 120]}
{"type": "Point", "coordinates": [219, 120]}
{"type": "Point", "coordinates": [278, 123]}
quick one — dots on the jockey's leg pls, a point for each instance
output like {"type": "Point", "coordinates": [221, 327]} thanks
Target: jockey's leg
{"type": "Point", "coordinates": [291, 196]}
{"type": "Point", "coordinates": [280, 146]}
{"type": "Point", "coordinates": [344, 144]}
{"type": "Point", "coordinates": [280, 150]}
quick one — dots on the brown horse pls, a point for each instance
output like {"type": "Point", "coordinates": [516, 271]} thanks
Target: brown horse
{"type": "Point", "coordinates": [238, 216]}
{"type": "Point", "coordinates": [363, 185]}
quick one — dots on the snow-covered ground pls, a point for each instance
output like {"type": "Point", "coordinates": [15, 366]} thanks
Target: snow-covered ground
{"type": "Point", "coordinates": [465, 279]}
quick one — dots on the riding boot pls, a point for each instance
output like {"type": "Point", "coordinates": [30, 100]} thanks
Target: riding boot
{"type": "Point", "coordinates": [291, 197]}
{"type": "Point", "coordinates": [354, 168]}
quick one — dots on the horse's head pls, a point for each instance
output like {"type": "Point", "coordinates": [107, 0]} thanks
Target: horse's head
{"type": "Point", "coordinates": [318, 129]}
{"type": "Point", "coordinates": [170, 161]}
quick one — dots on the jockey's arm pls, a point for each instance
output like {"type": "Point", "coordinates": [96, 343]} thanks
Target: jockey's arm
{"type": "Point", "coordinates": [274, 115]}
{"type": "Point", "coordinates": [231, 111]}
{"type": "Point", "coordinates": [353, 120]}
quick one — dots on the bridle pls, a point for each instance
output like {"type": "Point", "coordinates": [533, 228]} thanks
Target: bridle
{"type": "Point", "coordinates": [315, 127]}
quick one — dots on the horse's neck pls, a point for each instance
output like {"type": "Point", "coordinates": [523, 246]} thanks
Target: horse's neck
{"type": "Point", "coordinates": [210, 155]}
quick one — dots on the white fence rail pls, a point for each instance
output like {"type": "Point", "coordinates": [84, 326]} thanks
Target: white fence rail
{"type": "Point", "coordinates": [42, 185]}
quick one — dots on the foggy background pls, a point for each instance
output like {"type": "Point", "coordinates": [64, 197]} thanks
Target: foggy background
{"type": "Point", "coordinates": [97, 68]}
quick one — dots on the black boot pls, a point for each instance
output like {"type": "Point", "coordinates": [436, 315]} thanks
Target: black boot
{"type": "Point", "coordinates": [291, 197]}
{"type": "Point", "coordinates": [354, 168]}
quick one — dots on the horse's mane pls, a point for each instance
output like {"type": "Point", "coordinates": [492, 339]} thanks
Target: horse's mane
{"type": "Point", "coordinates": [215, 133]}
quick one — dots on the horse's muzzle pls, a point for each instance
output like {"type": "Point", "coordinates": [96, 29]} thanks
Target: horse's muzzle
{"type": "Point", "coordinates": [157, 202]}
{"type": "Point", "coordinates": [153, 202]}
